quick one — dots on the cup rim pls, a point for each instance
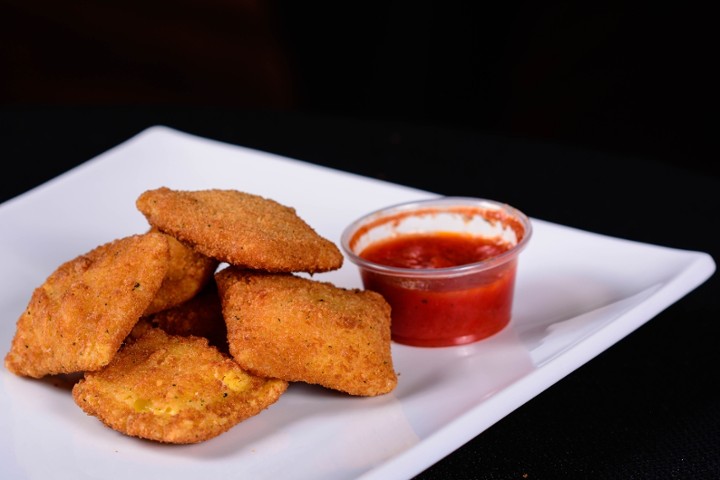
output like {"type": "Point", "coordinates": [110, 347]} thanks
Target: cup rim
{"type": "Point", "coordinates": [440, 202]}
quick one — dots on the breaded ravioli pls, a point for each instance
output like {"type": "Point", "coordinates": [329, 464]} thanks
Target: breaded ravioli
{"type": "Point", "coordinates": [173, 389]}
{"type": "Point", "coordinates": [298, 329]}
{"type": "Point", "coordinates": [241, 229]}
{"type": "Point", "coordinates": [200, 316]}
{"type": "Point", "coordinates": [188, 273]}
{"type": "Point", "coordinates": [78, 318]}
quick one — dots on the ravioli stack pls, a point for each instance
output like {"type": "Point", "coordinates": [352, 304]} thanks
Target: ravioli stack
{"type": "Point", "coordinates": [185, 330]}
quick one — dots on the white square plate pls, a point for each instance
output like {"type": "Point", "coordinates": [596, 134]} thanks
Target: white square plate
{"type": "Point", "coordinates": [577, 294]}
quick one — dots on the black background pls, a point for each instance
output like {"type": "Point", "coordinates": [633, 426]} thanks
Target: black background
{"type": "Point", "coordinates": [627, 77]}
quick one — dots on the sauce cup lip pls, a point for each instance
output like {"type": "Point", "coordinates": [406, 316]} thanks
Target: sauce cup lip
{"type": "Point", "coordinates": [443, 202]}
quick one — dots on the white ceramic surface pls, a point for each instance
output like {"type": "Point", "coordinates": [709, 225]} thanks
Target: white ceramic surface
{"type": "Point", "coordinates": [577, 294]}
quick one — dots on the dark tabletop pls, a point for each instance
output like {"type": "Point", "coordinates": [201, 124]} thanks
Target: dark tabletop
{"type": "Point", "coordinates": [647, 407]}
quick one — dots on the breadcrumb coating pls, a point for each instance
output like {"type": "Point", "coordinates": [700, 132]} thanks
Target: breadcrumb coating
{"type": "Point", "coordinates": [241, 229]}
{"type": "Point", "coordinates": [78, 318]}
{"type": "Point", "coordinates": [173, 389]}
{"type": "Point", "coordinates": [189, 271]}
{"type": "Point", "coordinates": [298, 329]}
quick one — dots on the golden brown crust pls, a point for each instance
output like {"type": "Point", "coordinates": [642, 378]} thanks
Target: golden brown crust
{"type": "Point", "coordinates": [78, 318]}
{"type": "Point", "coordinates": [174, 351]}
{"type": "Point", "coordinates": [188, 273]}
{"type": "Point", "coordinates": [241, 229]}
{"type": "Point", "coordinates": [298, 329]}
{"type": "Point", "coordinates": [173, 389]}
{"type": "Point", "coordinates": [201, 316]}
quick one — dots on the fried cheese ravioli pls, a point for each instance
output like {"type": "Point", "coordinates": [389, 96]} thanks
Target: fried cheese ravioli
{"type": "Point", "coordinates": [240, 229]}
{"type": "Point", "coordinates": [298, 329]}
{"type": "Point", "coordinates": [173, 389]}
{"type": "Point", "coordinates": [200, 316]}
{"type": "Point", "coordinates": [188, 273]}
{"type": "Point", "coordinates": [78, 318]}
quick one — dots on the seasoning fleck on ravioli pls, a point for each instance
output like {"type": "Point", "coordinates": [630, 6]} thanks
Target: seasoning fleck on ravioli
{"type": "Point", "coordinates": [78, 318]}
{"type": "Point", "coordinates": [173, 389]}
{"type": "Point", "coordinates": [241, 229]}
{"type": "Point", "coordinates": [298, 329]}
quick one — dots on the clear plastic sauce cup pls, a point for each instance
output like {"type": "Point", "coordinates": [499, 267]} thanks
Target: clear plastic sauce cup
{"type": "Point", "coordinates": [446, 266]}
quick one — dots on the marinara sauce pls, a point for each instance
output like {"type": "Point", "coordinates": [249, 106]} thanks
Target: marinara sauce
{"type": "Point", "coordinates": [445, 310]}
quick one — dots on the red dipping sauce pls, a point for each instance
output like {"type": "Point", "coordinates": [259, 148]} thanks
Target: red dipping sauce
{"type": "Point", "coordinates": [446, 266]}
{"type": "Point", "coordinates": [433, 250]}
{"type": "Point", "coordinates": [455, 310]}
